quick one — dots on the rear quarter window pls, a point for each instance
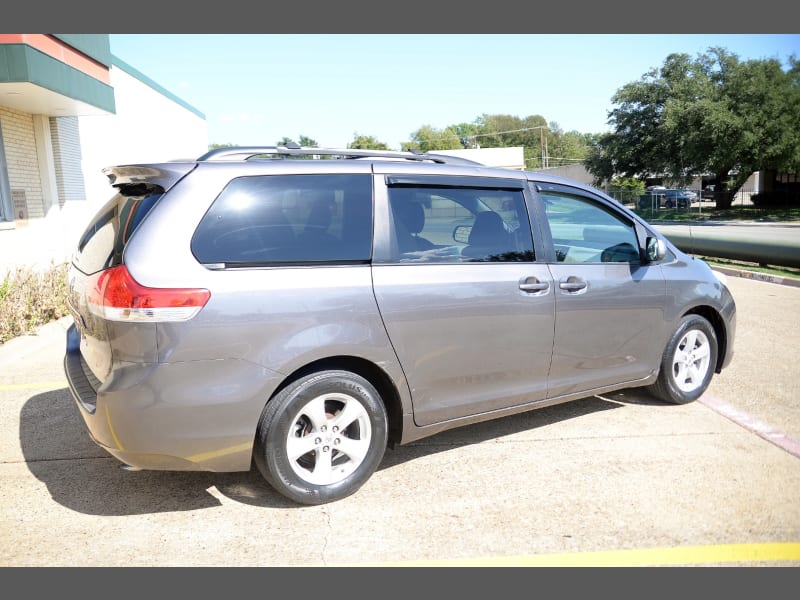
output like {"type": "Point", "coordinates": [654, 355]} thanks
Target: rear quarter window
{"type": "Point", "coordinates": [103, 242]}
{"type": "Point", "coordinates": [279, 219]}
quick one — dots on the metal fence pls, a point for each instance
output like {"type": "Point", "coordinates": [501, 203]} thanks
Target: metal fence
{"type": "Point", "coordinates": [748, 202]}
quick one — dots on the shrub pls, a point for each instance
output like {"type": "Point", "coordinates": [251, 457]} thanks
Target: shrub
{"type": "Point", "coordinates": [30, 298]}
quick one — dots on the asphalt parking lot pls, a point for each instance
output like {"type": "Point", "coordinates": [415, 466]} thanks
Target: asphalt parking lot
{"type": "Point", "coordinates": [613, 480]}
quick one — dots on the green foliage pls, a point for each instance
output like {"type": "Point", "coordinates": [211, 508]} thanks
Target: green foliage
{"type": "Point", "coordinates": [749, 266]}
{"type": "Point", "coordinates": [30, 298]}
{"type": "Point", "coordinates": [366, 142]}
{"type": "Point", "coordinates": [625, 189]}
{"type": "Point", "coordinates": [305, 141]}
{"type": "Point", "coordinates": [504, 131]}
{"type": "Point", "coordinates": [215, 146]}
{"type": "Point", "coordinates": [628, 183]}
{"type": "Point", "coordinates": [750, 214]}
{"type": "Point", "coordinates": [543, 144]}
{"type": "Point", "coordinates": [427, 138]}
{"type": "Point", "coordinates": [565, 148]}
{"type": "Point", "coordinates": [308, 142]}
{"type": "Point", "coordinates": [714, 114]}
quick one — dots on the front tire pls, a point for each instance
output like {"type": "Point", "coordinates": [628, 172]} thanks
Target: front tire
{"type": "Point", "coordinates": [320, 438]}
{"type": "Point", "coordinates": [688, 362]}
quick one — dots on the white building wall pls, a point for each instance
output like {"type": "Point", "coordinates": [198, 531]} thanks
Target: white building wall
{"type": "Point", "coordinates": [510, 158]}
{"type": "Point", "coordinates": [36, 237]}
{"type": "Point", "coordinates": [44, 155]}
{"type": "Point", "coordinates": [147, 127]}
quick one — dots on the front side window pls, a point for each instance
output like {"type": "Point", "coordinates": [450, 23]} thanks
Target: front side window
{"type": "Point", "coordinates": [586, 232]}
{"type": "Point", "coordinates": [458, 224]}
{"type": "Point", "coordinates": [288, 219]}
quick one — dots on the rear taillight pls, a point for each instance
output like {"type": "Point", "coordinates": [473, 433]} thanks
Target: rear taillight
{"type": "Point", "coordinates": [115, 295]}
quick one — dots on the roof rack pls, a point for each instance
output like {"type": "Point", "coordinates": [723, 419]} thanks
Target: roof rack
{"type": "Point", "coordinates": [247, 152]}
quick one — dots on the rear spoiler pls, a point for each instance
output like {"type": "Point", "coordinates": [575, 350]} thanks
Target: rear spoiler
{"type": "Point", "coordinates": [136, 179]}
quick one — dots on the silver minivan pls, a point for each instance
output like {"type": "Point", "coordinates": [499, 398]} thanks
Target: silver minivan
{"type": "Point", "coordinates": [299, 310]}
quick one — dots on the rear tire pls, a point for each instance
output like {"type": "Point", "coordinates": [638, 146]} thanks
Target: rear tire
{"type": "Point", "coordinates": [320, 438]}
{"type": "Point", "coordinates": [688, 362]}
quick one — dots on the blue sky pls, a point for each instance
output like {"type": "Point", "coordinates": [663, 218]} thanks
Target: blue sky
{"type": "Point", "coordinates": [256, 88]}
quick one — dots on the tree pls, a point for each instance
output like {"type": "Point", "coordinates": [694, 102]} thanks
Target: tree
{"type": "Point", "coordinates": [565, 148]}
{"type": "Point", "coordinates": [626, 189]}
{"type": "Point", "coordinates": [712, 115]}
{"type": "Point", "coordinates": [215, 146]}
{"type": "Point", "coordinates": [366, 142]}
{"type": "Point", "coordinates": [532, 133]}
{"type": "Point", "coordinates": [539, 140]}
{"type": "Point", "coordinates": [308, 142]}
{"type": "Point", "coordinates": [427, 138]}
{"type": "Point", "coordinates": [466, 133]}
{"type": "Point", "coordinates": [305, 141]}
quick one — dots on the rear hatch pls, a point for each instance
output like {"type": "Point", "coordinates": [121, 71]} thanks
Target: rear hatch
{"type": "Point", "coordinates": [105, 334]}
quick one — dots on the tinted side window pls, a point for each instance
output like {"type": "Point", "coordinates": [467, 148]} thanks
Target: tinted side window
{"type": "Point", "coordinates": [288, 219]}
{"type": "Point", "coordinates": [587, 232]}
{"type": "Point", "coordinates": [101, 245]}
{"type": "Point", "coordinates": [459, 224]}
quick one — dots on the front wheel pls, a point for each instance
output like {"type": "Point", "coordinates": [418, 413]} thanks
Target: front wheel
{"type": "Point", "coordinates": [688, 362]}
{"type": "Point", "coordinates": [320, 438]}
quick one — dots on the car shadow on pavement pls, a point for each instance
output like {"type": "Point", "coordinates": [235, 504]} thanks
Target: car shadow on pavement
{"type": "Point", "coordinates": [513, 424]}
{"type": "Point", "coordinates": [81, 476]}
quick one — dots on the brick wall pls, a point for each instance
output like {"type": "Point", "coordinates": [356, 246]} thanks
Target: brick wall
{"type": "Point", "coordinates": [21, 159]}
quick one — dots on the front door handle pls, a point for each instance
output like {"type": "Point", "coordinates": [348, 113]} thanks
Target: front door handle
{"type": "Point", "coordinates": [572, 285]}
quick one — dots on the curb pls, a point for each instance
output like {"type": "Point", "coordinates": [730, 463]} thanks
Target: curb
{"type": "Point", "coordinates": [790, 281]}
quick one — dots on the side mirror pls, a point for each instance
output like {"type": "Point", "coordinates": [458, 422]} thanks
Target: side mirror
{"type": "Point", "coordinates": [656, 249]}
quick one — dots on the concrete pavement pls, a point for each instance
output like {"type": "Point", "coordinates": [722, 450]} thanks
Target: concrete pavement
{"type": "Point", "coordinates": [620, 479]}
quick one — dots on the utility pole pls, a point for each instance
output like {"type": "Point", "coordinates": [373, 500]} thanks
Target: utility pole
{"type": "Point", "coordinates": [542, 144]}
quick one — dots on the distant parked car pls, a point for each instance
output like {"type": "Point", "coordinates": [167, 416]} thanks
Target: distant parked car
{"type": "Point", "coordinates": [708, 192]}
{"type": "Point", "coordinates": [667, 198]}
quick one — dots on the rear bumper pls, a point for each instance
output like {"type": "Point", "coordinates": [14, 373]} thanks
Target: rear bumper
{"type": "Point", "coordinates": [189, 416]}
{"type": "Point", "coordinates": [82, 383]}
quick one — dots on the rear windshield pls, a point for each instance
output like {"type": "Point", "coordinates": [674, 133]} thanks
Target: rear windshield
{"type": "Point", "coordinates": [101, 245]}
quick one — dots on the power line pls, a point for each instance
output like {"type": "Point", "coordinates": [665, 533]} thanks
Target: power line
{"type": "Point", "coordinates": [509, 131]}
{"type": "Point", "coordinates": [453, 133]}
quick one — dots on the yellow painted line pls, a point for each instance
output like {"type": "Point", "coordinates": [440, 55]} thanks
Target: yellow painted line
{"type": "Point", "coordinates": [111, 429]}
{"type": "Point", "coordinates": [33, 386]}
{"type": "Point", "coordinates": [218, 453]}
{"type": "Point", "coordinates": [689, 555]}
